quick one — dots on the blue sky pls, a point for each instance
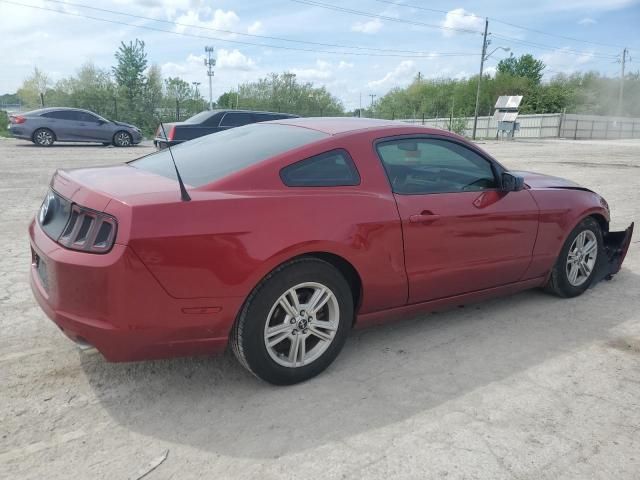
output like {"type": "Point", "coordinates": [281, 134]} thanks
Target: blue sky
{"type": "Point", "coordinates": [59, 43]}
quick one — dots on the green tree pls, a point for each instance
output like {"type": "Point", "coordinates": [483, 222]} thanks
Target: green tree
{"type": "Point", "coordinates": [33, 87]}
{"type": "Point", "coordinates": [129, 73]}
{"type": "Point", "coordinates": [283, 93]}
{"type": "Point", "coordinates": [177, 91]}
{"type": "Point", "coordinates": [525, 66]}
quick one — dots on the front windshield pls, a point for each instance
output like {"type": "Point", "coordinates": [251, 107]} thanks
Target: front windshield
{"type": "Point", "coordinates": [212, 157]}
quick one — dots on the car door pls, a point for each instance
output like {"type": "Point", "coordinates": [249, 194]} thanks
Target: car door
{"type": "Point", "coordinates": [61, 123]}
{"type": "Point", "coordinates": [92, 128]}
{"type": "Point", "coordinates": [461, 232]}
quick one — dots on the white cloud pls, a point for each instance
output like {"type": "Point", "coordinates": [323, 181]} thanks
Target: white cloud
{"type": "Point", "coordinates": [372, 26]}
{"type": "Point", "coordinates": [342, 65]}
{"type": "Point", "coordinates": [459, 18]}
{"type": "Point", "coordinates": [193, 67]}
{"type": "Point", "coordinates": [207, 18]}
{"type": "Point", "coordinates": [234, 60]}
{"type": "Point", "coordinates": [402, 74]}
{"type": "Point", "coordinates": [564, 61]}
{"type": "Point", "coordinates": [321, 72]}
{"type": "Point", "coordinates": [255, 28]}
{"type": "Point", "coordinates": [586, 21]}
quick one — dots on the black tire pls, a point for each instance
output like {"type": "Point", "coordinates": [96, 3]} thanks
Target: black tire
{"type": "Point", "coordinates": [559, 283]}
{"type": "Point", "coordinates": [43, 137]}
{"type": "Point", "coordinates": [248, 334]}
{"type": "Point", "coordinates": [122, 139]}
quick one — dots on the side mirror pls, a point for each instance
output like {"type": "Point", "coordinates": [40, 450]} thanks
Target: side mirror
{"type": "Point", "coordinates": [101, 122]}
{"type": "Point", "coordinates": [511, 182]}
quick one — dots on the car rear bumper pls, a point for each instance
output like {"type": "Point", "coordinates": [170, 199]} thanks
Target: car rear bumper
{"type": "Point", "coordinates": [18, 131]}
{"type": "Point", "coordinates": [113, 302]}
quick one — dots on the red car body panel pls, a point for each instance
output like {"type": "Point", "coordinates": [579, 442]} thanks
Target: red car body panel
{"type": "Point", "coordinates": [179, 272]}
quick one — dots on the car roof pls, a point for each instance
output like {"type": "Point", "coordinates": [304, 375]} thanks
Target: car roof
{"type": "Point", "coordinates": [40, 111]}
{"type": "Point", "coordinates": [339, 125]}
{"type": "Point", "coordinates": [255, 111]}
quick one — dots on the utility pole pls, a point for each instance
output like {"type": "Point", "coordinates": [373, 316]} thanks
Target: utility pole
{"type": "Point", "coordinates": [623, 61]}
{"type": "Point", "coordinates": [210, 63]}
{"type": "Point", "coordinates": [484, 52]}
{"type": "Point", "coordinates": [196, 94]}
{"type": "Point", "coordinates": [373, 96]}
{"type": "Point", "coordinates": [419, 78]}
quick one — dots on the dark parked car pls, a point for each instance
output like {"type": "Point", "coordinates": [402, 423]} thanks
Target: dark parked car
{"type": "Point", "coordinates": [48, 125]}
{"type": "Point", "coordinates": [210, 121]}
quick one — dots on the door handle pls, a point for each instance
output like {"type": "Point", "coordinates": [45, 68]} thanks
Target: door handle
{"type": "Point", "coordinates": [426, 216]}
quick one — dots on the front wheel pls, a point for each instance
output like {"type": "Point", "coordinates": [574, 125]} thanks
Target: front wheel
{"type": "Point", "coordinates": [294, 324]}
{"type": "Point", "coordinates": [122, 139]}
{"type": "Point", "coordinates": [576, 266]}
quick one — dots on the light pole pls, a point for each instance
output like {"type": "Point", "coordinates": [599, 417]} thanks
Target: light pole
{"type": "Point", "coordinates": [483, 59]}
{"type": "Point", "coordinates": [210, 63]}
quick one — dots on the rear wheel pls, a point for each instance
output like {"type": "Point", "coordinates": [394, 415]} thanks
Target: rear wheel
{"type": "Point", "coordinates": [294, 324]}
{"type": "Point", "coordinates": [122, 139]}
{"type": "Point", "coordinates": [43, 137]}
{"type": "Point", "coordinates": [576, 266]}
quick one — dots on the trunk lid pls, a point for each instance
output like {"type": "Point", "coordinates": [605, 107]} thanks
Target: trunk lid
{"type": "Point", "coordinates": [96, 187]}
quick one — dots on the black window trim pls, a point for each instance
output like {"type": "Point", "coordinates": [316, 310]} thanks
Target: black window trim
{"type": "Point", "coordinates": [53, 112]}
{"type": "Point", "coordinates": [220, 124]}
{"type": "Point", "coordinates": [496, 168]}
{"type": "Point", "coordinates": [347, 157]}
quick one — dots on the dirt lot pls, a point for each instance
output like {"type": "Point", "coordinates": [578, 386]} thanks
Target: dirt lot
{"type": "Point", "coordinates": [529, 386]}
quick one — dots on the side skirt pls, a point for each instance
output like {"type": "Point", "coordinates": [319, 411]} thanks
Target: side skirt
{"type": "Point", "coordinates": [383, 316]}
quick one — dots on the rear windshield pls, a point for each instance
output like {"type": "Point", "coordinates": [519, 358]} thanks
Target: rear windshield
{"type": "Point", "coordinates": [200, 117]}
{"type": "Point", "coordinates": [212, 157]}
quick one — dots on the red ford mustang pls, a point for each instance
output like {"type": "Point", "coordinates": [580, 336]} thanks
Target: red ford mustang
{"type": "Point", "coordinates": [288, 233]}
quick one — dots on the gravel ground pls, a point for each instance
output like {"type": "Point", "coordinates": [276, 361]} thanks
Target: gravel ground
{"type": "Point", "coordinates": [527, 387]}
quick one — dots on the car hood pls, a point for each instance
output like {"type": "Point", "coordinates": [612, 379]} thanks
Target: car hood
{"type": "Point", "coordinates": [122, 124]}
{"type": "Point", "coordinates": [539, 180]}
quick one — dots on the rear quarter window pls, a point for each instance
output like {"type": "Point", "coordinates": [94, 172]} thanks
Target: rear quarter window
{"type": "Point", "coordinates": [213, 157]}
{"type": "Point", "coordinates": [331, 169]}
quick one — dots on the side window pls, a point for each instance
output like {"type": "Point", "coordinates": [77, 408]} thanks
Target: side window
{"type": "Point", "coordinates": [87, 117]}
{"type": "Point", "coordinates": [61, 115]}
{"type": "Point", "coordinates": [265, 117]}
{"type": "Point", "coordinates": [422, 166]}
{"type": "Point", "coordinates": [213, 120]}
{"type": "Point", "coordinates": [330, 169]}
{"type": "Point", "coordinates": [236, 119]}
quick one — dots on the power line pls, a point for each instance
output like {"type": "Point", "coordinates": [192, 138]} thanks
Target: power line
{"type": "Point", "coordinates": [232, 32]}
{"type": "Point", "coordinates": [465, 14]}
{"type": "Point", "coordinates": [337, 8]}
{"type": "Point", "coordinates": [241, 42]}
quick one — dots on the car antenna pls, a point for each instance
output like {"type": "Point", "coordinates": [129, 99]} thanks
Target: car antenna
{"type": "Point", "coordinates": [183, 191]}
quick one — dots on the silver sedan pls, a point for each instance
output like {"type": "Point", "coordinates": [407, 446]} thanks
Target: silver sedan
{"type": "Point", "coordinates": [48, 125]}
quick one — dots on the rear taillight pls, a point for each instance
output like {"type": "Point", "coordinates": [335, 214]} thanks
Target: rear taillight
{"type": "Point", "coordinates": [89, 231]}
{"type": "Point", "coordinates": [17, 119]}
{"type": "Point", "coordinates": [172, 132]}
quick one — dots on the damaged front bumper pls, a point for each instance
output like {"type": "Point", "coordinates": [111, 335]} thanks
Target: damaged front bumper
{"type": "Point", "coordinates": [616, 245]}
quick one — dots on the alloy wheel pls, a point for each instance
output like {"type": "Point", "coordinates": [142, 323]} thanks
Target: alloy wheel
{"type": "Point", "coordinates": [123, 139]}
{"type": "Point", "coordinates": [301, 324]}
{"type": "Point", "coordinates": [44, 137]}
{"type": "Point", "coordinates": [581, 258]}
